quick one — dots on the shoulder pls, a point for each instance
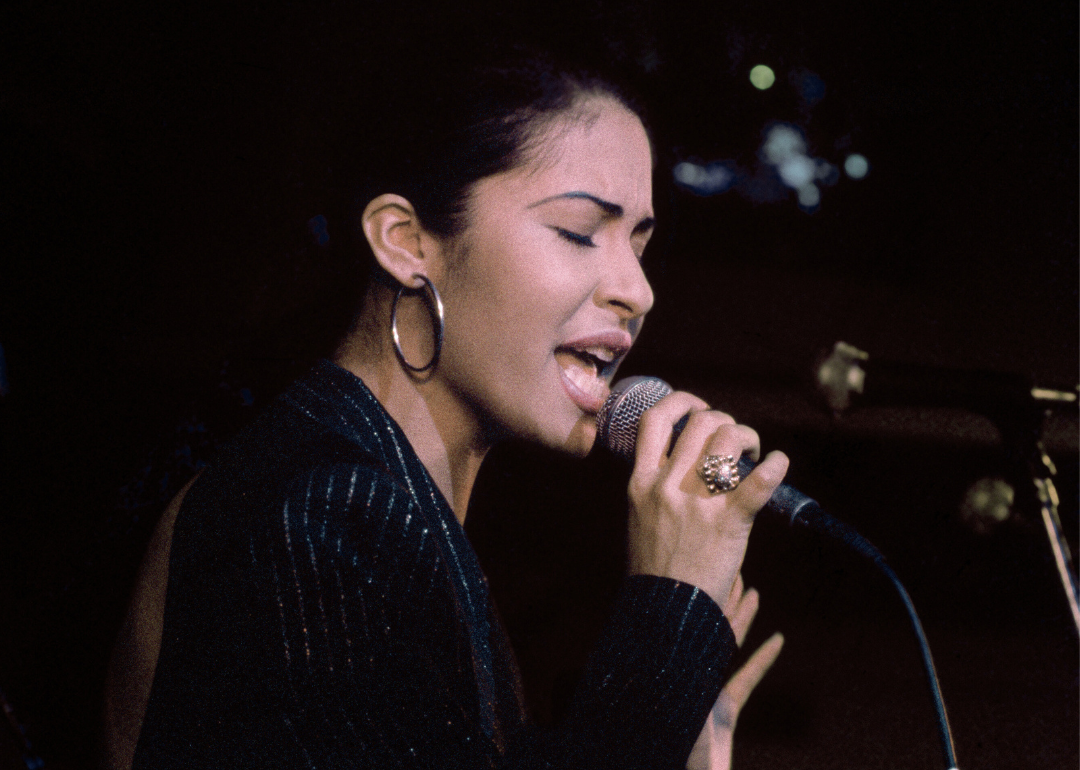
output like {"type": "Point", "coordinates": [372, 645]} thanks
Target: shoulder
{"type": "Point", "coordinates": [339, 495]}
{"type": "Point", "coordinates": [290, 457]}
{"type": "Point", "coordinates": [348, 507]}
{"type": "Point", "coordinates": [297, 479]}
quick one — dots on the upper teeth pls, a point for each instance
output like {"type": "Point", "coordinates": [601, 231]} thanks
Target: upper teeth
{"type": "Point", "coordinates": [602, 354]}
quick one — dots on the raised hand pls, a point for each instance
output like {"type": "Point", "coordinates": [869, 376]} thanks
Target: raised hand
{"type": "Point", "coordinates": [713, 748]}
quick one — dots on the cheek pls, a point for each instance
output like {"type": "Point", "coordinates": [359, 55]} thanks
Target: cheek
{"type": "Point", "coordinates": [492, 323]}
{"type": "Point", "coordinates": [510, 299]}
{"type": "Point", "coordinates": [525, 286]}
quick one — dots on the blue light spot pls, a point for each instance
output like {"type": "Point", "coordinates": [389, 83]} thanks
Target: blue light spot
{"type": "Point", "coordinates": [856, 166]}
{"type": "Point", "coordinates": [317, 227]}
{"type": "Point", "coordinates": [809, 86]}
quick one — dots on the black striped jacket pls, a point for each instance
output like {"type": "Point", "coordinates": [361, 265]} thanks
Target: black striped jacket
{"type": "Point", "coordinates": [325, 610]}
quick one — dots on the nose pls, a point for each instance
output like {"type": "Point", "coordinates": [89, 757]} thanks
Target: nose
{"type": "Point", "coordinates": [624, 287]}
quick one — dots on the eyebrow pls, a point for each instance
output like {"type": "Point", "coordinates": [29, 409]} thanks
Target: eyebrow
{"type": "Point", "coordinates": [609, 208]}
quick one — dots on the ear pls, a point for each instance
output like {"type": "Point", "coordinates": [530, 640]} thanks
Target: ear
{"type": "Point", "coordinates": [393, 231]}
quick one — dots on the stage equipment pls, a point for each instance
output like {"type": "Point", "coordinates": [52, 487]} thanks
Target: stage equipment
{"type": "Point", "coordinates": [847, 376]}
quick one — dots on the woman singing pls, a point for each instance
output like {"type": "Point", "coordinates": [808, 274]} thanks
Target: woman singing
{"type": "Point", "coordinates": [324, 607]}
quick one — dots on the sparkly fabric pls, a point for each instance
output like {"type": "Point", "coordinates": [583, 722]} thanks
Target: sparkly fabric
{"type": "Point", "coordinates": [325, 610]}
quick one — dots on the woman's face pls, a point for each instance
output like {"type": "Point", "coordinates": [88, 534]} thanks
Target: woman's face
{"type": "Point", "coordinates": [548, 294]}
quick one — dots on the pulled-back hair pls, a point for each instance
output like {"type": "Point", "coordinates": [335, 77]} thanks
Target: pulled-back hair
{"type": "Point", "coordinates": [431, 136]}
{"type": "Point", "coordinates": [475, 123]}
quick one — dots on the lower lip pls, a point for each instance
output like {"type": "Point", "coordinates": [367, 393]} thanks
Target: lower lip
{"type": "Point", "coordinates": [585, 402]}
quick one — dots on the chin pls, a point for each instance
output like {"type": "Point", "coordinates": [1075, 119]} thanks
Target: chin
{"type": "Point", "coordinates": [579, 442]}
{"type": "Point", "coordinates": [557, 424]}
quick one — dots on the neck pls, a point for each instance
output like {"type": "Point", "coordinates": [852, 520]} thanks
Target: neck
{"type": "Point", "coordinates": [446, 439]}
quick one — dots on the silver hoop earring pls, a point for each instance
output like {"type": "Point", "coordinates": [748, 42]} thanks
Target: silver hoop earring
{"type": "Point", "coordinates": [438, 316]}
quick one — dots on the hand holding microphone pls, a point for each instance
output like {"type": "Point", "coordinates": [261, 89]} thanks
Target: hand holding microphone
{"type": "Point", "coordinates": [617, 430]}
{"type": "Point", "coordinates": [678, 527]}
{"type": "Point", "coordinates": [684, 527]}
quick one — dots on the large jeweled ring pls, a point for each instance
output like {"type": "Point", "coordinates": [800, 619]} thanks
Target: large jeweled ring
{"type": "Point", "coordinates": [720, 473]}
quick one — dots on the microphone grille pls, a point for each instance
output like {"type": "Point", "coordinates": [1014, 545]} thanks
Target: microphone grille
{"type": "Point", "coordinates": [617, 420]}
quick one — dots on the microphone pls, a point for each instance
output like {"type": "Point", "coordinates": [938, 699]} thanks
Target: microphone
{"type": "Point", "coordinates": [617, 428]}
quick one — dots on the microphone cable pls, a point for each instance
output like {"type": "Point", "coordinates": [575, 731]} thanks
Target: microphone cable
{"type": "Point", "coordinates": [831, 527]}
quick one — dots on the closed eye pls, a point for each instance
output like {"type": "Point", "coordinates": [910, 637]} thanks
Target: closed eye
{"type": "Point", "coordinates": [575, 238]}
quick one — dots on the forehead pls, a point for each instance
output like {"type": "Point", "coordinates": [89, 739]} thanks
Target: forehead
{"type": "Point", "coordinates": [599, 148]}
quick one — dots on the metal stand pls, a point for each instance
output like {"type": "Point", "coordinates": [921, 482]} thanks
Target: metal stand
{"type": "Point", "coordinates": [1042, 477]}
{"type": "Point", "coordinates": [1021, 429]}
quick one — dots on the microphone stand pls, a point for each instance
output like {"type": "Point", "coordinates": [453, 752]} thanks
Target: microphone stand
{"type": "Point", "coordinates": [1022, 432]}
{"type": "Point", "coordinates": [1048, 504]}
{"type": "Point", "coordinates": [847, 375]}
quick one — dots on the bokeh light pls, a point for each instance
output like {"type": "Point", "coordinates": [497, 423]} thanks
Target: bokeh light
{"type": "Point", "coordinates": [785, 150]}
{"type": "Point", "coordinates": [762, 77]}
{"type": "Point", "coordinates": [709, 179]}
{"type": "Point", "coordinates": [809, 196]}
{"type": "Point", "coordinates": [856, 166]}
{"type": "Point", "coordinates": [796, 171]}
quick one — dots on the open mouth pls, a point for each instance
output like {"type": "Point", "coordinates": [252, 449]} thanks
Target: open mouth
{"type": "Point", "coordinates": [585, 366]}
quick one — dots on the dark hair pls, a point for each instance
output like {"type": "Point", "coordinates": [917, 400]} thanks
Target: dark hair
{"type": "Point", "coordinates": [476, 123]}
{"type": "Point", "coordinates": [431, 137]}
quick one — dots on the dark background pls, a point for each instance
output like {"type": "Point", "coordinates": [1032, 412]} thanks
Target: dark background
{"type": "Point", "coordinates": [159, 281]}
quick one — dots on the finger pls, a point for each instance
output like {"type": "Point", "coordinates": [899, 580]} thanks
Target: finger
{"type": "Point", "coordinates": [734, 597]}
{"type": "Point", "coordinates": [743, 615]}
{"type": "Point", "coordinates": [706, 433]}
{"type": "Point", "coordinates": [756, 489]}
{"type": "Point", "coordinates": [700, 427]}
{"type": "Point", "coordinates": [739, 440]}
{"type": "Point", "coordinates": [743, 681]}
{"type": "Point", "coordinates": [657, 424]}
